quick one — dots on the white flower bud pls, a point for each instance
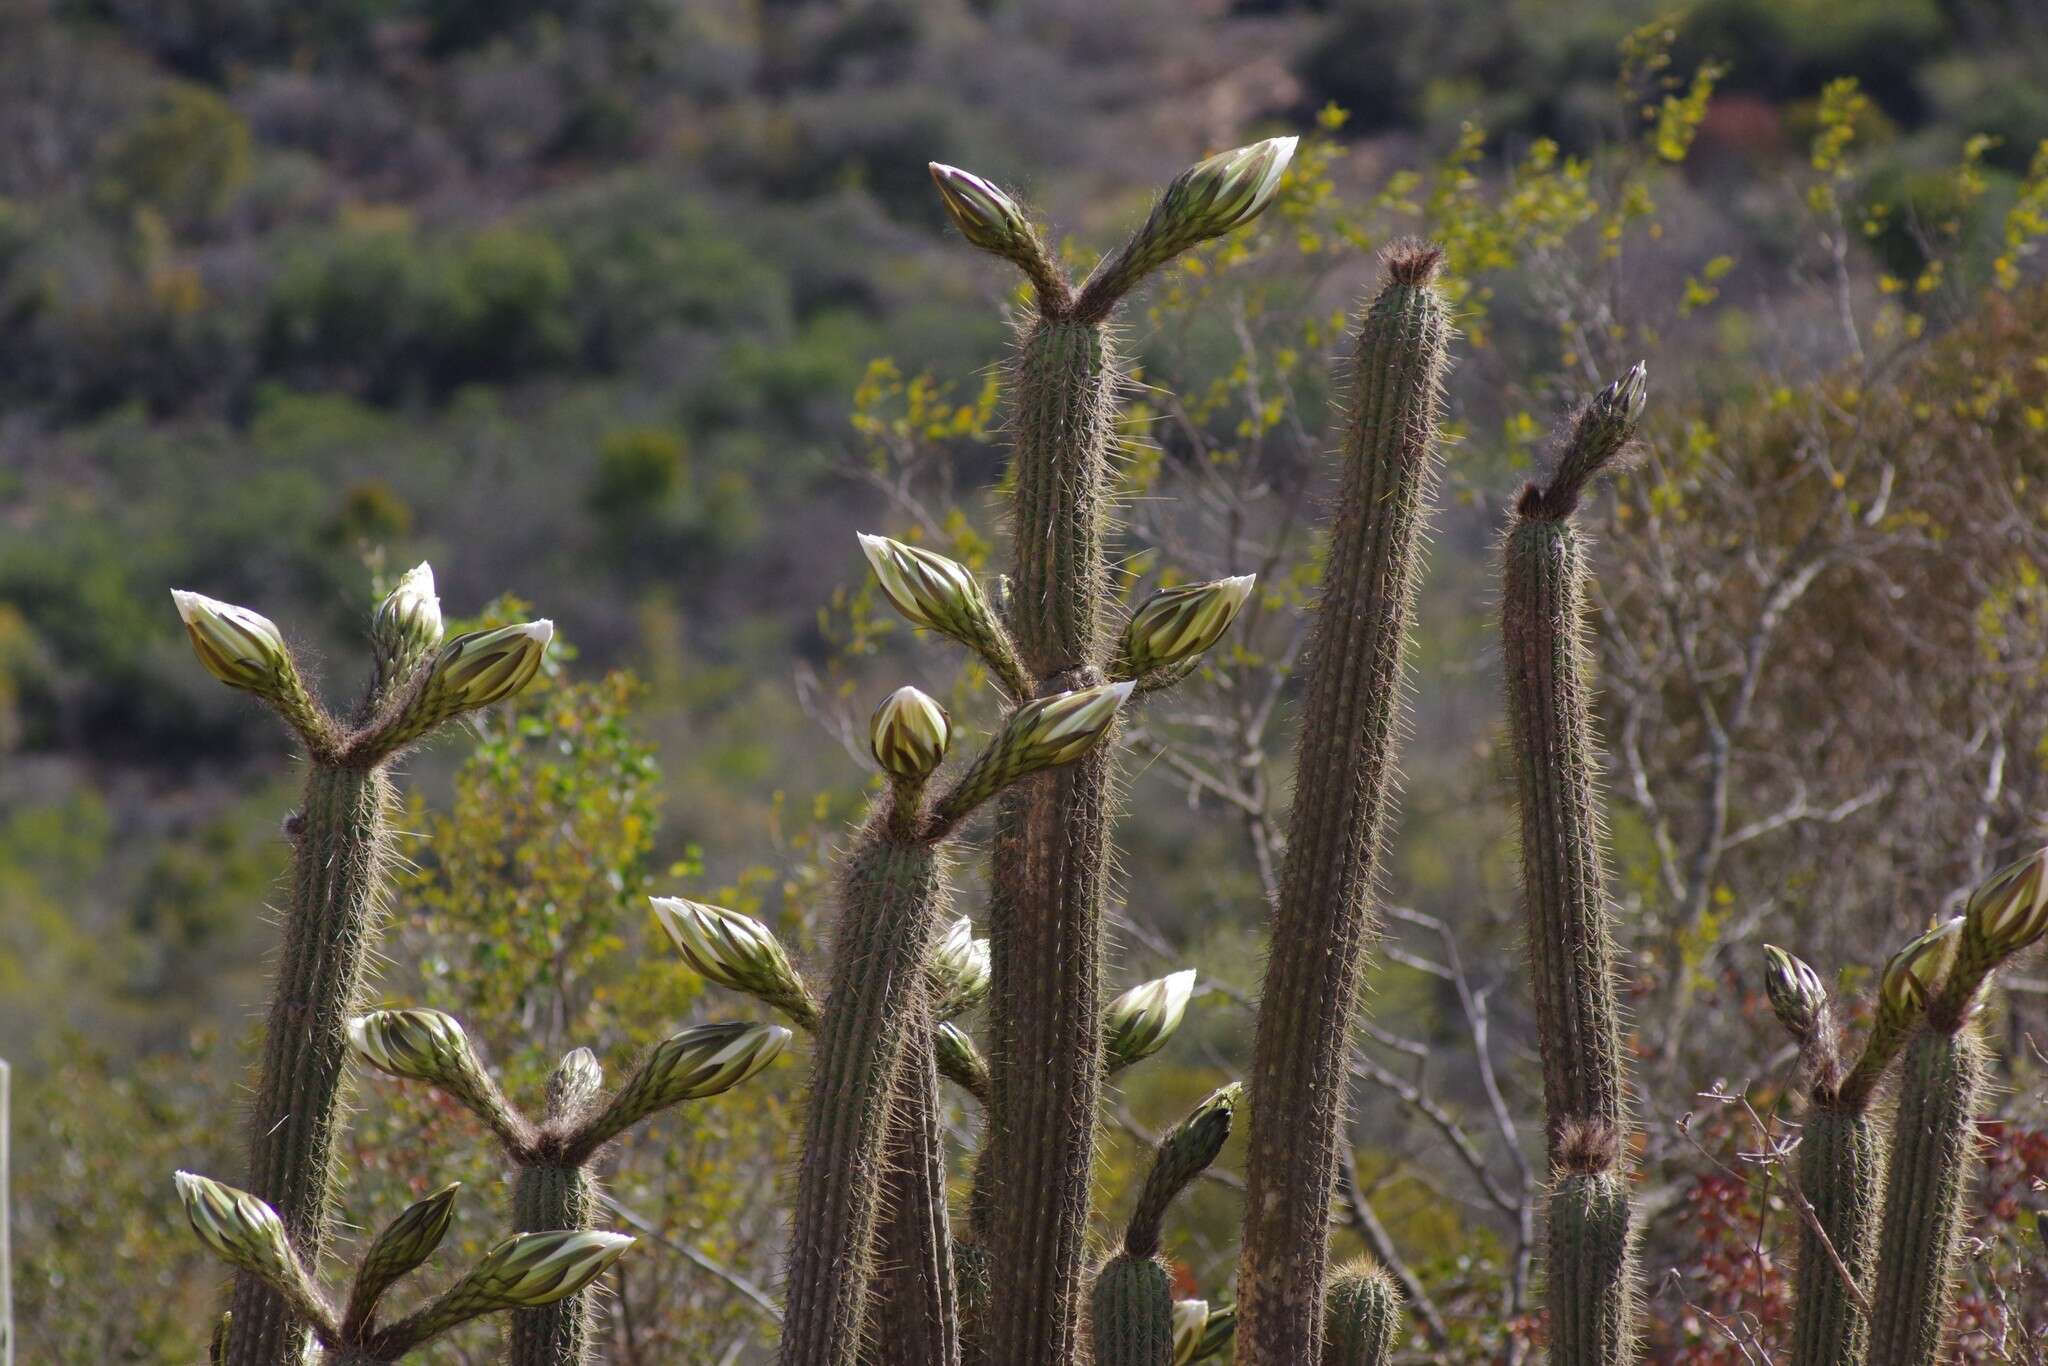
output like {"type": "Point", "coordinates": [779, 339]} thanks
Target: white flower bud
{"type": "Point", "coordinates": [2010, 911]}
{"type": "Point", "coordinates": [960, 971]}
{"type": "Point", "coordinates": [1190, 1317]}
{"type": "Point", "coordinates": [910, 734]}
{"type": "Point", "coordinates": [1178, 624]}
{"type": "Point", "coordinates": [1797, 995]}
{"type": "Point", "coordinates": [1915, 972]}
{"type": "Point", "coordinates": [733, 950]}
{"type": "Point", "coordinates": [1138, 1023]}
{"type": "Point", "coordinates": [692, 1065]}
{"type": "Point", "coordinates": [243, 1230]}
{"type": "Point", "coordinates": [408, 621]}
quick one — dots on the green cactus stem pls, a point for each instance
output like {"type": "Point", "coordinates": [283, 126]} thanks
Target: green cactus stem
{"type": "Point", "coordinates": [1131, 1312]}
{"type": "Point", "coordinates": [549, 1194]}
{"type": "Point", "coordinates": [1927, 1185]}
{"type": "Point", "coordinates": [1363, 1317]}
{"type": "Point", "coordinates": [892, 895]}
{"type": "Point", "coordinates": [1841, 1176]}
{"type": "Point", "coordinates": [1591, 1252]}
{"type": "Point", "coordinates": [1323, 921]}
{"type": "Point", "coordinates": [915, 1313]}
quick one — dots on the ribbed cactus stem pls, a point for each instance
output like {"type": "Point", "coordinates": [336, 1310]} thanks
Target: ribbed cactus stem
{"type": "Point", "coordinates": [916, 1311]}
{"type": "Point", "coordinates": [341, 848]}
{"type": "Point", "coordinates": [1323, 922]}
{"type": "Point", "coordinates": [1927, 1183]}
{"type": "Point", "coordinates": [546, 1198]}
{"type": "Point", "coordinates": [891, 892]}
{"type": "Point", "coordinates": [1131, 1311]}
{"type": "Point", "coordinates": [1591, 1253]}
{"type": "Point", "coordinates": [1051, 842]}
{"type": "Point", "coordinates": [1841, 1176]}
{"type": "Point", "coordinates": [1363, 1318]}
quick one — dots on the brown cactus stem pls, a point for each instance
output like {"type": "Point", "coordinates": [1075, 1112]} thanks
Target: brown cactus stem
{"type": "Point", "coordinates": [1592, 1277]}
{"type": "Point", "coordinates": [341, 848]}
{"type": "Point", "coordinates": [1841, 1178]}
{"type": "Point", "coordinates": [891, 897]}
{"type": "Point", "coordinates": [915, 1319]}
{"type": "Point", "coordinates": [1323, 921]}
{"type": "Point", "coordinates": [1051, 842]}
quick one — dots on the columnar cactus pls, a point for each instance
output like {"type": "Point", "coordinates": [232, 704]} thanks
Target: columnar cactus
{"type": "Point", "coordinates": [339, 868]}
{"type": "Point", "coordinates": [1592, 1275]}
{"type": "Point", "coordinates": [1052, 834]}
{"type": "Point", "coordinates": [1363, 1318]}
{"type": "Point", "coordinates": [1323, 922]}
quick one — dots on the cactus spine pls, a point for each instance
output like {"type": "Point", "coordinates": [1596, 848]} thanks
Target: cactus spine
{"type": "Point", "coordinates": [1363, 1318]}
{"type": "Point", "coordinates": [1131, 1308]}
{"type": "Point", "coordinates": [1323, 922]}
{"type": "Point", "coordinates": [1592, 1275]}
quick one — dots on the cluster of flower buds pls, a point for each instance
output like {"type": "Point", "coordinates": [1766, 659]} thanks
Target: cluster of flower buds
{"type": "Point", "coordinates": [408, 621]}
{"type": "Point", "coordinates": [960, 971]}
{"type": "Point", "coordinates": [1797, 994]}
{"type": "Point", "coordinates": [1190, 1317]}
{"type": "Point", "coordinates": [1177, 625]}
{"type": "Point", "coordinates": [2010, 911]}
{"type": "Point", "coordinates": [942, 595]}
{"type": "Point", "coordinates": [735, 951]}
{"type": "Point", "coordinates": [1138, 1023]}
{"type": "Point", "coordinates": [1043, 733]}
{"type": "Point", "coordinates": [909, 735]}
{"type": "Point", "coordinates": [697, 1063]}
{"type": "Point", "coordinates": [1205, 201]}
{"type": "Point", "coordinates": [1915, 972]}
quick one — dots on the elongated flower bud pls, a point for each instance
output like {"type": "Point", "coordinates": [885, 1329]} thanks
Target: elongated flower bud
{"type": "Point", "coordinates": [479, 669]}
{"type": "Point", "coordinates": [1207, 200]}
{"type": "Point", "coordinates": [986, 216]}
{"type": "Point", "coordinates": [1138, 1023]}
{"type": "Point", "coordinates": [734, 951]}
{"type": "Point", "coordinates": [1218, 1333]}
{"type": "Point", "coordinates": [960, 971]}
{"type": "Point", "coordinates": [1041, 734]}
{"type": "Point", "coordinates": [574, 1083]}
{"type": "Point", "coordinates": [244, 649]}
{"type": "Point", "coordinates": [241, 1229]}
{"type": "Point", "coordinates": [2010, 911]}
{"type": "Point", "coordinates": [939, 594]}
{"type": "Point", "coordinates": [1915, 972]}
{"type": "Point", "coordinates": [430, 1046]}
{"type": "Point", "coordinates": [910, 734]}
{"type": "Point", "coordinates": [692, 1065]}
{"type": "Point", "coordinates": [408, 621]}
{"type": "Point", "coordinates": [525, 1271]}
{"type": "Point", "coordinates": [1190, 1317]}
{"type": "Point", "coordinates": [959, 1059]}
{"type": "Point", "coordinates": [1796, 992]}
{"type": "Point", "coordinates": [402, 1245]}
{"type": "Point", "coordinates": [1603, 428]}
{"type": "Point", "coordinates": [1184, 1154]}
{"type": "Point", "coordinates": [1177, 625]}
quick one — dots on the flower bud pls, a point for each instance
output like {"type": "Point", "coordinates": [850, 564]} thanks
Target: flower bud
{"type": "Point", "coordinates": [244, 1231]}
{"type": "Point", "coordinates": [1623, 400]}
{"type": "Point", "coordinates": [241, 648]}
{"type": "Point", "coordinates": [1178, 624]}
{"type": "Point", "coordinates": [403, 1244]}
{"type": "Point", "coordinates": [1217, 1333]}
{"type": "Point", "coordinates": [408, 621]}
{"type": "Point", "coordinates": [574, 1083]}
{"type": "Point", "coordinates": [2010, 911]}
{"type": "Point", "coordinates": [909, 735]}
{"type": "Point", "coordinates": [1184, 1154]}
{"type": "Point", "coordinates": [959, 1059]}
{"type": "Point", "coordinates": [1190, 1317]}
{"type": "Point", "coordinates": [985, 216]}
{"type": "Point", "coordinates": [935, 592]}
{"type": "Point", "coordinates": [471, 671]}
{"type": "Point", "coordinates": [960, 971]}
{"type": "Point", "coordinates": [1043, 733]}
{"type": "Point", "coordinates": [1207, 200]}
{"type": "Point", "coordinates": [1139, 1022]}
{"type": "Point", "coordinates": [424, 1045]}
{"type": "Point", "coordinates": [733, 950]}
{"type": "Point", "coordinates": [692, 1065]}
{"type": "Point", "coordinates": [1914, 973]}
{"type": "Point", "coordinates": [525, 1271]}
{"type": "Point", "coordinates": [1797, 994]}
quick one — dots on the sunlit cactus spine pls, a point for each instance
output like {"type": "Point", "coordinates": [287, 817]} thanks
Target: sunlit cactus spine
{"type": "Point", "coordinates": [339, 870]}
{"type": "Point", "coordinates": [1323, 922]}
{"type": "Point", "coordinates": [1592, 1277]}
{"type": "Point", "coordinates": [1362, 1314]}
{"type": "Point", "coordinates": [1052, 833]}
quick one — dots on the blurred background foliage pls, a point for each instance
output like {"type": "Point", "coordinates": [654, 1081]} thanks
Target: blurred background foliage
{"type": "Point", "coordinates": [638, 310]}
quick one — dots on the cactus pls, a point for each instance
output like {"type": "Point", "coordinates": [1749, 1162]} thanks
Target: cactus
{"type": "Point", "coordinates": [339, 869]}
{"type": "Point", "coordinates": [1323, 922]}
{"type": "Point", "coordinates": [916, 1306]}
{"type": "Point", "coordinates": [1571, 949]}
{"type": "Point", "coordinates": [1052, 834]}
{"type": "Point", "coordinates": [1131, 1312]}
{"type": "Point", "coordinates": [1362, 1317]}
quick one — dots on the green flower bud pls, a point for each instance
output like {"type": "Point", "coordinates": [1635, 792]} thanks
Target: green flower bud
{"type": "Point", "coordinates": [525, 1271]}
{"type": "Point", "coordinates": [242, 1230]}
{"type": "Point", "coordinates": [408, 621]}
{"type": "Point", "coordinates": [1043, 733]}
{"type": "Point", "coordinates": [404, 1244]}
{"type": "Point", "coordinates": [241, 648]}
{"type": "Point", "coordinates": [1178, 624]}
{"type": "Point", "coordinates": [1139, 1022]}
{"type": "Point", "coordinates": [574, 1083]}
{"type": "Point", "coordinates": [1622, 401]}
{"type": "Point", "coordinates": [1204, 201]}
{"type": "Point", "coordinates": [470, 672]}
{"type": "Point", "coordinates": [1190, 1317]}
{"type": "Point", "coordinates": [424, 1045]}
{"type": "Point", "coordinates": [692, 1065]}
{"type": "Point", "coordinates": [960, 971]}
{"type": "Point", "coordinates": [985, 216]}
{"type": "Point", "coordinates": [2010, 911]}
{"type": "Point", "coordinates": [935, 592]}
{"type": "Point", "coordinates": [1218, 1333]}
{"type": "Point", "coordinates": [909, 735]}
{"type": "Point", "coordinates": [1915, 972]}
{"type": "Point", "coordinates": [733, 950]}
{"type": "Point", "coordinates": [1796, 992]}
{"type": "Point", "coordinates": [959, 1059]}
{"type": "Point", "coordinates": [1184, 1154]}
